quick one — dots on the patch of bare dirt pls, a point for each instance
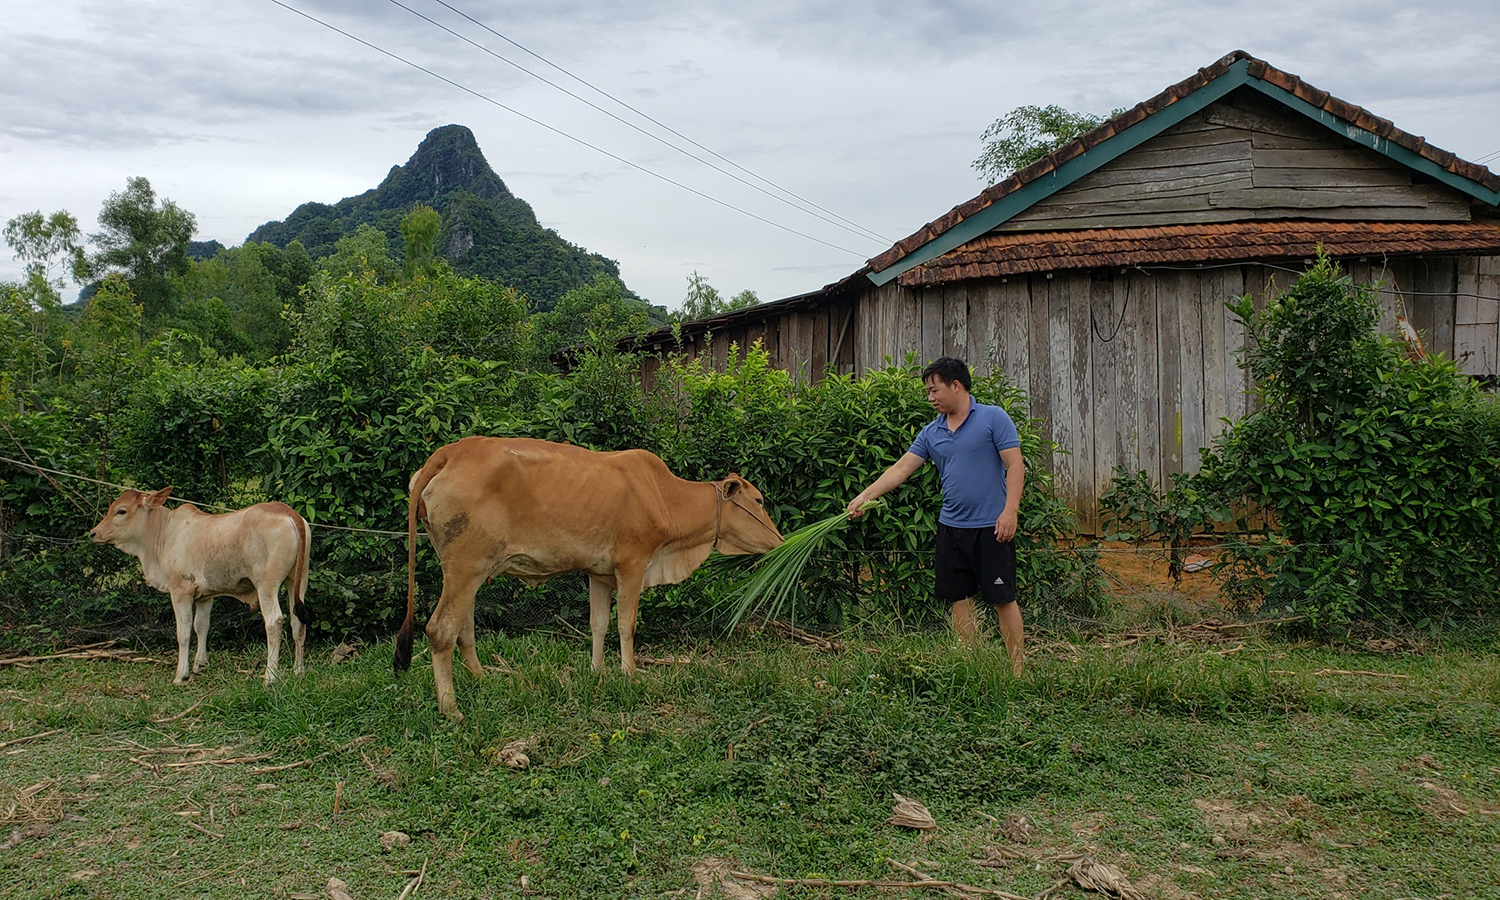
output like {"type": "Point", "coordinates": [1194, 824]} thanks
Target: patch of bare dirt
{"type": "Point", "coordinates": [711, 874]}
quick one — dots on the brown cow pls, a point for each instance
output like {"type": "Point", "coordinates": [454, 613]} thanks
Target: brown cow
{"type": "Point", "coordinates": [516, 506]}
{"type": "Point", "coordinates": [194, 556]}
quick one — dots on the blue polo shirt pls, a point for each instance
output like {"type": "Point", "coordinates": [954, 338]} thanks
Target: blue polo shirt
{"type": "Point", "coordinates": [968, 460]}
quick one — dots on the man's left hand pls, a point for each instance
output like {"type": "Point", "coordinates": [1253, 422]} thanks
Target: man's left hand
{"type": "Point", "coordinates": [1005, 526]}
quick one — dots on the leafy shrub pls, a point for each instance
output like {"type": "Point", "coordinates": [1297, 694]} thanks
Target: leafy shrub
{"type": "Point", "coordinates": [1382, 472]}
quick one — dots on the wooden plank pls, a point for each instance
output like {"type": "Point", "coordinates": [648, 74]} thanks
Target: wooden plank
{"type": "Point", "coordinates": [1173, 139]}
{"type": "Point", "coordinates": [1328, 157]}
{"type": "Point", "coordinates": [1468, 307]}
{"type": "Point", "coordinates": [982, 348]}
{"type": "Point", "coordinates": [1435, 286]}
{"type": "Point", "coordinates": [1488, 288]}
{"type": "Point", "coordinates": [1261, 140]}
{"type": "Point", "coordinates": [1016, 327]}
{"type": "Point", "coordinates": [1146, 360]}
{"type": "Point", "coordinates": [1106, 294]}
{"type": "Point", "coordinates": [1218, 287]}
{"type": "Point", "coordinates": [1346, 179]}
{"type": "Point", "coordinates": [1190, 185]}
{"type": "Point", "coordinates": [909, 328]}
{"type": "Point", "coordinates": [1179, 176]}
{"type": "Point", "coordinates": [932, 325]}
{"type": "Point", "coordinates": [1247, 120]}
{"type": "Point", "coordinates": [719, 351]}
{"type": "Point", "coordinates": [1190, 336]}
{"type": "Point", "coordinates": [1414, 197]}
{"type": "Point", "coordinates": [842, 354]}
{"type": "Point", "coordinates": [818, 357]}
{"type": "Point", "coordinates": [1040, 356]}
{"type": "Point", "coordinates": [796, 344]}
{"type": "Point", "coordinates": [772, 341]}
{"type": "Point", "coordinates": [956, 320]}
{"type": "Point", "coordinates": [1474, 348]}
{"type": "Point", "coordinates": [1141, 158]}
{"type": "Point", "coordinates": [1067, 425]}
{"type": "Point", "coordinates": [1171, 290]}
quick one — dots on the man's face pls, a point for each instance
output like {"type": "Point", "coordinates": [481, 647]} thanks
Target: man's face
{"type": "Point", "coordinates": [946, 398]}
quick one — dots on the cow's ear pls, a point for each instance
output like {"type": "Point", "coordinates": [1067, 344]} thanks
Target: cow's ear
{"type": "Point", "coordinates": [732, 486]}
{"type": "Point", "coordinates": [160, 497]}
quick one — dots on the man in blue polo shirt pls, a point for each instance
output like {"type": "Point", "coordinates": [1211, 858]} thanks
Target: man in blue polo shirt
{"type": "Point", "coordinates": [978, 455]}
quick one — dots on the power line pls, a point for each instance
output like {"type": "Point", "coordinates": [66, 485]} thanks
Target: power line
{"type": "Point", "coordinates": [558, 131]}
{"type": "Point", "coordinates": [656, 122]}
{"type": "Point", "coordinates": [1483, 159]}
{"type": "Point", "coordinates": [857, 230]}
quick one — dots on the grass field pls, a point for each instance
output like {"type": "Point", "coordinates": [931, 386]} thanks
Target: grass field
{"type": "Point", "coordinates": [1238, 767]}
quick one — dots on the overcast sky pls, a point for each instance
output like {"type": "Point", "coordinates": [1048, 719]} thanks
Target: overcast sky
{"type": "Point", "coordinates": [240, 110]}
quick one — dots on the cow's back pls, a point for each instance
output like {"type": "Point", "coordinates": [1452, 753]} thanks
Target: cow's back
{"type": "Point", "coordinates": [225, 552]}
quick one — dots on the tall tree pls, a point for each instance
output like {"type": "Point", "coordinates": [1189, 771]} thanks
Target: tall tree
{"type": "Point", "coordinates": [50, 246]}
{"type": "Point", "coordinates": [419, 232]}
{"type": "Point", "coordinates": [1026, 134]}
{"type": "Point", "coordinates": [704, 300]}
{"type": "Point", "coordinates": [144, 240]}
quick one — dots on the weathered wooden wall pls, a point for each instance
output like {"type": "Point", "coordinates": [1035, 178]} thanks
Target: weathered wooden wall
{"type": "Point", "coordinates": [1136, 368]}
{"type": "Point", "coordinates": [1139, 368]}
{"type": "Point", "coordinates": [1244, 157]}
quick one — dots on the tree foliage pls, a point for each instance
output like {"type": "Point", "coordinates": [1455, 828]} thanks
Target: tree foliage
{"type": "Point", "coordinates": [1026, 134]}
{"type": "Point", "coordinates": [704, 300]}
{"type": "Point", "coordinates": [144, 240]}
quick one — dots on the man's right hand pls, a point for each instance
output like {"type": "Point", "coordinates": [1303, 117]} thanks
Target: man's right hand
{"type": "Point", "coordinates": [854, 507]}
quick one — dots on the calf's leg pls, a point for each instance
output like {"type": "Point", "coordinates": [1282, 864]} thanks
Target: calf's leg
{"type": "Point", "coordinates": [599, 591]}
{"type": "Point", "coordinates": [200, 625]}
{"type": "Point", "coordinates": [299, 637]}
{"type": "Point", "coordinates": [270, 611]}
{"type": "Point", "coordinates": [182, 611]}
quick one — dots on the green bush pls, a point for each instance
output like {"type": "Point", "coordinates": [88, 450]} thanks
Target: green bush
{"type": "Point", "coordinates": [1381, 472]}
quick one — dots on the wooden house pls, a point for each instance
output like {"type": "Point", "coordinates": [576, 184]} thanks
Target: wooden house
{"type": "Point", "coordinates": [1097, 277]}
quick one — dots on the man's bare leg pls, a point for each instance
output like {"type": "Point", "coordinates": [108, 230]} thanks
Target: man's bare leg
{"type": "Point", "coordinates": [965, 622]}
{"type": "Point", "coordinates": [1010, 626]}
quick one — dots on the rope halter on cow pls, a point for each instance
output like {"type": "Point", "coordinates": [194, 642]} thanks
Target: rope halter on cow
{"type": "Point", "coordinates": [721, 489]}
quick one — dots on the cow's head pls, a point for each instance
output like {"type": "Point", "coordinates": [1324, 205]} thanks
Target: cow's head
{"type": "Point", "coordinates": [744, 526]}
{"type": "Point", "coordinates": [125, 523]}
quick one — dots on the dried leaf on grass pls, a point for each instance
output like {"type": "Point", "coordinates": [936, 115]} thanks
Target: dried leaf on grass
{"type": "Point", "coordinates": [909, 813]}
{"type": "Point", "coordinates": [338, 890]}
{"type": "Point", "coordinates": [342, 652]}
{"type": "Point", "coordinates": [41, 803]}
{"type": "Point", "coordinates": [1092, 875]}
{"type": "Point", "coordinates": [389, 840]}
{"type": "Point", "coordinates": [514, 755]}
{"type": "Point", "coordinates": [1017, 829]}
{"type": "Point", "coordinates": [714, 878]}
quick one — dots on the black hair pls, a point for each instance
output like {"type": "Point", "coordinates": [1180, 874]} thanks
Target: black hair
{"type": "Point", "coordinates": [949, 370]}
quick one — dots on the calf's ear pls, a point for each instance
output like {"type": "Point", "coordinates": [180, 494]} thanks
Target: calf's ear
{"type": "Point", "coordinates": [732, 486]}
{"type": "Point", "coordinates": [160, 497]}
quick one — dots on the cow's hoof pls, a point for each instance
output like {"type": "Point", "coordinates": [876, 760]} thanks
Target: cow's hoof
{"type": "Point", "coordinates": [454, 717]}
{"type": "Point", "coordinates": [180, 680]}
{"type": "Point", "coordinates": [198, 670]}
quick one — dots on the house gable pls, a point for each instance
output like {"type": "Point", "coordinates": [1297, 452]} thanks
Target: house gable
{"type": "Point", "coordinates": [1092, 151]}
{"type": "Point", "coordinates": [1244, 157]}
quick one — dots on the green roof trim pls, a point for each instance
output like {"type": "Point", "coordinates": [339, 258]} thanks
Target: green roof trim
{"type": "Point", "coordinates": [1237, 75]}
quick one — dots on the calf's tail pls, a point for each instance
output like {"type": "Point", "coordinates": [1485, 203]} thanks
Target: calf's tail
{"type": "Point", "coordinates": [414, 510]}
{"type": "Point", "coordinates": [299, 574]}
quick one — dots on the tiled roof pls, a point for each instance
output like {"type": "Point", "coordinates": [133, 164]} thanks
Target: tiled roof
{"type": "Point", "coordinates": [1258, 68]}
{"type": "Point", "coordinates": [1021, 252]}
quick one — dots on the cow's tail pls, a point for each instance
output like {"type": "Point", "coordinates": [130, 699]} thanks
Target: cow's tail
{"type": "Point", "coordinates": [304, 564]}
{"type": "Point", "coordinates": [414, 511]}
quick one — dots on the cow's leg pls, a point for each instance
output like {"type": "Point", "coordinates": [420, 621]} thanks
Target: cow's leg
{"type": "Point", "coordinates": [628, 584]}
{"type": "Point", "coordinates": [270, 611]}
{"type": "Point", "coordinates": [466, 651]}
{"type": "Point", "coordinates": [599, 591]}
{"type": "Point", "coordinates": [200, 625]}
{"type": "Point", "coordinates": [454, 613]}
{"type": "Point", "coordinates": [182, 611]}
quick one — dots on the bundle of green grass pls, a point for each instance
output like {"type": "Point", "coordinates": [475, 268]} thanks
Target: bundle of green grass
{"type": "Point", "coordinates": [769, 586]}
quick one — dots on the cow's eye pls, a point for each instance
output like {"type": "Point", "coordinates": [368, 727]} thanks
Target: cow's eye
{"type": "Point", "coordinates": [760, 501]}
{"type": "Point", "coordinates": [119, 512]}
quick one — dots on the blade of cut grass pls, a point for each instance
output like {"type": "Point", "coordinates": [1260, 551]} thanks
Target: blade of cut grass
{"type": "Point", "coordinates": [770, 585]}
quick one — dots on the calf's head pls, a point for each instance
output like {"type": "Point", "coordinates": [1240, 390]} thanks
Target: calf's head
{"type": "Point", "coordinates": [125, 523]}
{"type": "Point", "coordinates": [744, 526]}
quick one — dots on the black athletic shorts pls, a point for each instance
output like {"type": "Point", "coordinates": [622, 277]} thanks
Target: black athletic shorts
{"type": "Point", "coordinates": [970, 563]}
